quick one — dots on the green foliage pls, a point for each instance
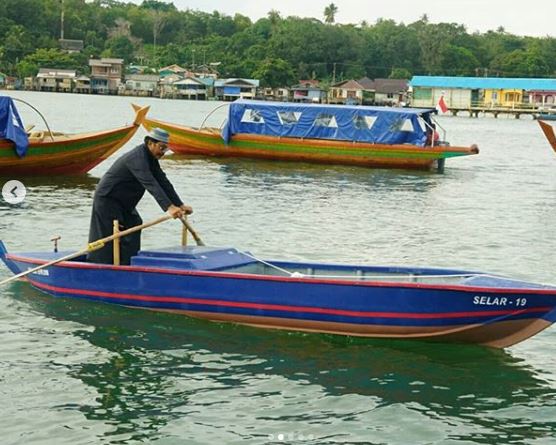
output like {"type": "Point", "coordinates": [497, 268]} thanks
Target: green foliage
{"type": "Point", "coordinates": [119, 47]}
{"type": "Point", "coordinates": [274, 73]}
{"type": "Point", "coordinates": [400, 73]}
{"type": "Point", "coordinates": [156, 33]}
{"type": "Point", "coordinates": [46, 58]}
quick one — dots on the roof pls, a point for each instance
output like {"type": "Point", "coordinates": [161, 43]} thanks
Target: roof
{"type": "Point", "coordinates": [387, 86]}
{"type": "Point", "coordinates": [69, 44]}
{"type": "Point", "coordinates": [304, 87]}
{"type": "Point", "coordinates": [189, 81]}
{"type": "Point", "coordinates": [484, 83]}
{"type": "Point", "coordinates": [105, 62]}
{"type": "Point", "coordinates": [349, 85]}
{"type": "Point", "coordinates": [142, 77]}
{"type": "Point", "coordinates": [56, 72]}
{"type": "Point", "coordinates": [368, 84]}
{"type": "Point", "coordinates": [174, 68]}
{"type": "Point", "coordinates": [236, 81]}
{"type": "Point", "coordinates": [311, 82]}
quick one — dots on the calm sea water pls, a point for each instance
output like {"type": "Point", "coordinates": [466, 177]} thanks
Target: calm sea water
{"type": "Point", "coordinates": [81, 373]}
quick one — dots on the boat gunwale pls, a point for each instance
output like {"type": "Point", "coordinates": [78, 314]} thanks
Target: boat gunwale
{"type": "Point", "coordinates": [69, 138]}
{"type": "Point", "coordinates": [210, 133]}
{"type": "Point", "coordinates": [286, 279]}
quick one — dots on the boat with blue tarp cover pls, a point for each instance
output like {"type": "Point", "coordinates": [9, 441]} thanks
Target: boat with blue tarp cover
{"type": "Point", "coordinates": [228, 285]}
{"type": "Point", "coordinates": [331, 134]}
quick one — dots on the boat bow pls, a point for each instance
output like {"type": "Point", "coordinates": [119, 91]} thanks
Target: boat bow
{"type": "Point", "coordinates": [548, 131]}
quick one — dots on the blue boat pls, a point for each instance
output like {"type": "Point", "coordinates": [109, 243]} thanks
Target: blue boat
{"type": "Point", "coordinates": [227, 285]}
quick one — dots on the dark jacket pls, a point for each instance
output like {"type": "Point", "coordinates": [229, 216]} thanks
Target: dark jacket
{"type": "Point", "coordinates": [133, 173]}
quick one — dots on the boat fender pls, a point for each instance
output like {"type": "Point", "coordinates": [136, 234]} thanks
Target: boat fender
{"type": "Point", "coordinates": [297, 275]}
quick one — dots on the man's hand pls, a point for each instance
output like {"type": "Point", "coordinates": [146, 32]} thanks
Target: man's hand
{"type": "Point", "coordinates": [188, 210]}
{"type": "Point", "coordinates": [175, 212]}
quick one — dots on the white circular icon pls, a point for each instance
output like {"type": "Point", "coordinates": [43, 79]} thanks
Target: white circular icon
{"type": "Point", "coordinates": [14, 192]}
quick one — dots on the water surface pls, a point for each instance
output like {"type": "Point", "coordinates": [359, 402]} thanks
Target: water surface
{"type": "Point", "coordinates": [81, 373]}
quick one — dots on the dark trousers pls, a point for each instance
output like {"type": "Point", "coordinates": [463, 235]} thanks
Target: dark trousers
{"type": "Point", "coordinates": [105, 211]}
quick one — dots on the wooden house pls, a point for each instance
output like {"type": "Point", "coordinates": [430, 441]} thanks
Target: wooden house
{"type": "Point", "coordinates": [55, 80]}
{"type": "Point", "coordinates": [140, 85]}
{"type": "Point", "coordinates": [232, 89]}
{"type": "Point", "coordinates": [308, 91]}
{"type": "Point", "coordinates": [106, 75]}
{"type": "Point", "coordinates": [390, 92]}
{"type": "Point", "coordinates": [350, 92]}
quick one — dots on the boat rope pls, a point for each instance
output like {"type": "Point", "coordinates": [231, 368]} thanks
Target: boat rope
{"type": "Point", "coordinates": [362, 277]}
{"type": "Point", "coordinates": [39, 113]}
{"type": "Point", "coordinates": [387, 277]}
{"type": "Point", "coordinates": [266, 263]}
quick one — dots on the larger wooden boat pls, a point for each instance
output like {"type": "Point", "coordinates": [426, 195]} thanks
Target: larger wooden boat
{"type": "Point", "coordinates": [55, 153]}
{"type": "Point", "coordinates": [548, 131]}
{"type": "Point", "coordinates": [227, 285]}
{"type": "Point", "coordinates": [378, 137]}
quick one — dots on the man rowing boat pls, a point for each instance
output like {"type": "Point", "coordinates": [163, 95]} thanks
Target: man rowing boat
{"type": "Point", "coordinates": [120, 190]}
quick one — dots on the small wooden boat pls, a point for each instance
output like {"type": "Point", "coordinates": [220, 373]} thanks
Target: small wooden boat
{"type": "Point", "coordinates": [548, 131]}
{"type": "Point", "coordinates": [227, 285]}
{"type": "Point", "coordinates": [378, 137]}
{"type": "Point", "coordinates": [55, 153]}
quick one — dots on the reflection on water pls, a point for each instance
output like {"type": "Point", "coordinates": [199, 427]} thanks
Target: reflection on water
{"type": "Point", "coordinates": [266, 173]}
{"type": "Point", "coordinates": [164, 368]}
{"type": "Point", "coordinates": [85, 182]}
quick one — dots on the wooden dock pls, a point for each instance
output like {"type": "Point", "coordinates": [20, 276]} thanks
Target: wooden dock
{"type": "Point", "coordinates": [475, 111]}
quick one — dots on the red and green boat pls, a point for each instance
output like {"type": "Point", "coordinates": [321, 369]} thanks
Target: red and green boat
{"type": "Point", "coordinates": [54, 153]}
{"type": "Point", "coordinates": [376, 137]}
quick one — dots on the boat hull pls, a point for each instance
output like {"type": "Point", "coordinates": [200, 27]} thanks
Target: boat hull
{"type": "Point", "coordinates": [208, 142]}
{"type": "Point", "coordinates": [496, 317]}
{"type": "Point", "coordinates": [66, 155]}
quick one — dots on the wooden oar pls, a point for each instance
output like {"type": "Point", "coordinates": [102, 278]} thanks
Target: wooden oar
{"type": "Point", "coordinates": [196, 237]}
{"type": "Point", "coordinates": [95, 245]}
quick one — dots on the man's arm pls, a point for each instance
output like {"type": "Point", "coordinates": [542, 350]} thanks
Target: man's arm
{"type": "Point", "coordinates": [167, 186]}
{"type": "Point", "coordinates": [140, 169]}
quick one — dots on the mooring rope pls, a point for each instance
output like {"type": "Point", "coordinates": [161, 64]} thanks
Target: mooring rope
{"type": "Point", "coordinates": [361, 277]}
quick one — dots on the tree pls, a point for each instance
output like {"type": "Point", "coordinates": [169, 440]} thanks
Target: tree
{"type": "Point", "coordinates": [330, 13]}
{"type": "Point", "coordinates": [158, 21]}
{"type": "Point", "coordinates": [17, 44]}
{"type": "Point", "coordinates": [120, 47]}
{"type": "Point", "coordinates": [461, 61]}
{"type": "Point", "coordinates": [275, 73]}
{"type": "Point", "coordinates": [400, 73]}
{"type": "Point", "coordinates": [45, 58]}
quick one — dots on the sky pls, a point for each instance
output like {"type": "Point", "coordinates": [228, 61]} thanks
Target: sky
{"type": "Point", "coordinates": [535, 18]}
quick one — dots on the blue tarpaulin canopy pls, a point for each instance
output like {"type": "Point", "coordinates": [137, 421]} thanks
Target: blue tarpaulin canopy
{"type": "Point", "coordinates": [11, 127]}
{"type": "Point", "coordinates": [379, 125]}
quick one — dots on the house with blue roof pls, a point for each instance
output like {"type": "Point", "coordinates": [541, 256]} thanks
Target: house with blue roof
{"type": "Point", "coordinates": [467, 92]}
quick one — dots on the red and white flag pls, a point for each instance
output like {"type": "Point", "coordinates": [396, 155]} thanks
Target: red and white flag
{"type": "Point", "coordinates": [441, 105]}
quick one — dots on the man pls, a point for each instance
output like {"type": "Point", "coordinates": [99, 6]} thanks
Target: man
{"type": "Point", "coordinates": [120, 190]}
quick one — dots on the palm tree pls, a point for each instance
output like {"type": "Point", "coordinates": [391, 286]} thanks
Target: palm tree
{"type": "Point", "coordinates": [274, 18]}
{"type": "Point", "coordinates": [329, 13]}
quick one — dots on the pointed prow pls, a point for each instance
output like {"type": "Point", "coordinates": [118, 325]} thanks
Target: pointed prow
{"type": "Point", "coordinates": [548, 131]}
{"type": "Point", "coordinates": [140, 114]}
